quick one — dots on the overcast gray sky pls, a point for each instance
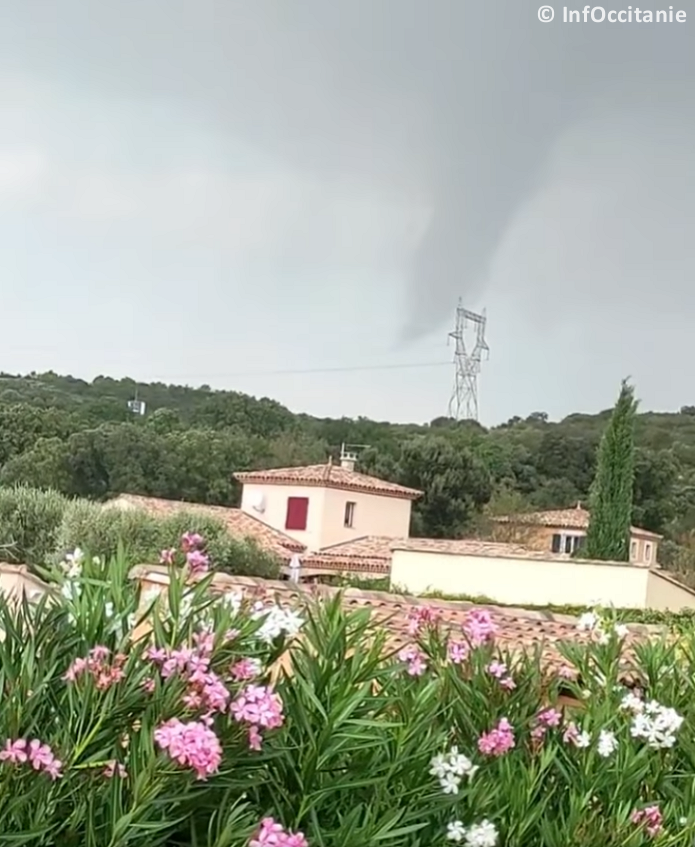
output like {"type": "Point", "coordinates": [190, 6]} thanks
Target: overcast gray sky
{"type": "Point", "coordinates": [199, 190]}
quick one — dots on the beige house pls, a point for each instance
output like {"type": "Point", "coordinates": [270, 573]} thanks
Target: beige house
{"type": "Point", "coordinates": [322, 505]}
{"type": "Point", "coordinates": [563, 531]}
{"type": "Point", "coordinates": [512, 574]}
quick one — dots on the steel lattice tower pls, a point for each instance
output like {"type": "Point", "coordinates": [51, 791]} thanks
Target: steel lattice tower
{"type": "Point", "coordinates": [464, 399]}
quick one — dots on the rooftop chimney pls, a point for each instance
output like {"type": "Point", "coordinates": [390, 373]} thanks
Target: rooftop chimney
{"type": "Point", "coordinates": [347, 458]}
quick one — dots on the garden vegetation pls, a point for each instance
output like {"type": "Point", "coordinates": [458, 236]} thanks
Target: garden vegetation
{"type": "Point", "coordinates": [133, 717]}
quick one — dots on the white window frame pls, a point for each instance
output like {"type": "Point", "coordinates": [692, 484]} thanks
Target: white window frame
{"type": "Point", "coordinates": [349, 514]}
{"type": "Point", "coordinates": [574, 540]}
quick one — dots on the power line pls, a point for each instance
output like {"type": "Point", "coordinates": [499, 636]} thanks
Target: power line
{"type": "Point", "coordinates": [292, 371]}
{"type": "Point", "coordinates": [281, 372]}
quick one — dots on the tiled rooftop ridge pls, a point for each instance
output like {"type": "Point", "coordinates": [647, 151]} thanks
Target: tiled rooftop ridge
{"type": "Point", "coordinates": [576, 517]}
{"type": "Point", "coordinates": [328, 475]}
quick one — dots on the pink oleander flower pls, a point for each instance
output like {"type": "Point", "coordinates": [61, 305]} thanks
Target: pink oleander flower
{"type": "Point", "coordinates": [148, 686]}
{"type": "Point", "coordinates": [422, 616]}
{"type": "Point", "coordinates": [415, 660]}
{"type": "Point", "coordinates": [208, 691]}
{"type": "Point", "coordinates": [54, 769]}
{"type": "Point", "coordinates": [14, 752]}
{"type": "Point", "coordinates": [497, 669]}
{"type": "Point", "coordinates": [166, 557]}
{"type": "Point", "coordinates": [245, 670]}
{"type": "Point", "coordinates": [498, 741]}
{"type": "Point", "coordinates": [205, 690]}
{"type": "Point", "coordinates": [650, 819]}
{"type": "Point", "coordinates": [255, 738]}
{"type": "Point", "coordinates": [573, 735]}
{"type": "Point", "coordinates": [158, 655]}
{"type": "Point", "coordinates": [113, 769]}
{"type": "Point", "coordinates": [204, 642]}
{"type": "Point", "coordinates": [191, 541]}
{"type": "Point", "coordinates": [549, 718]}
{"type": "Point", "coordinates": [457, 651]}
{"type": "Point", "coordinates": [508, 683]}
{"type": "Point", "coordinates": [39, 756]}
{"type": "Point", "coordinates": [177, 661]}
{"type": "Point", "coordinates": [99, 654]}
{"type": "Point", "coordinates": [259, 706]}
{"type": "Point", "coordinates": [104, 672]}
{"type": "Point", "coordinates": [479, 627]}
{"type": "Point", "coordinates": [566, 672]}
{"type": "Point", "coordinates": [545, 720]}
{"type": "Point", "coordinates": [192, 744]}
{"type": "Point", "coordinates": [272, 834]}
{"type": "Point", "coordinates": [198, 562]}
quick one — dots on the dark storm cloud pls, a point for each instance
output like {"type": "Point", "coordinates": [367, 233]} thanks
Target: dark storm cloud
{"type": "Point", "coordinates": [450, 105]}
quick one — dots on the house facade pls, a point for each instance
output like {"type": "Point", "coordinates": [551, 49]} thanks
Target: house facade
{"type": "Point", "coordinates": [562, 531]}
{"type": "Point", "coordinates": [328, 504]}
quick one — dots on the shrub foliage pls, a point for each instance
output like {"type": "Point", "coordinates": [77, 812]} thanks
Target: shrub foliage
{"type": "Point", "coordinates": [191, 733]}
{"type": "Point", "coordinates": [39, 527]}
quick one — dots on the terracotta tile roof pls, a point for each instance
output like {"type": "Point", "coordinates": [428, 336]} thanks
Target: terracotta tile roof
{"type": "Point", "coordinates": [494, 549]}
{"type": "Point", "coordinates": [518, 629]}
{"type": "Point", "coordinates": [238, 523]}
{"type": "Point", "coordinates": [469, 547]}
{"type": "Point", "coordinates": [329, 476]}
{"type": "Point", "coordinates": [575, 518]}
{"type": "Point", "coordinates": [370, 553]}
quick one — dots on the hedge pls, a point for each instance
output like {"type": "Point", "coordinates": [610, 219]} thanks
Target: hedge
{"type": "Point", "coordinates": [39, 527]}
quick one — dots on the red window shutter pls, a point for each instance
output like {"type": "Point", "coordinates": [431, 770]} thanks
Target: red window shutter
{"type": "Point", "coordinates": [297, 512]}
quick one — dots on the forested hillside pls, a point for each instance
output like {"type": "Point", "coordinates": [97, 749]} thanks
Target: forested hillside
{"type": "Point", "coordinates": [81, 439]}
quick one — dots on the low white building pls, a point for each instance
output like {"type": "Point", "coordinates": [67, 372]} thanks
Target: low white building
{"type": "Point", "coordinates": [510, 574]}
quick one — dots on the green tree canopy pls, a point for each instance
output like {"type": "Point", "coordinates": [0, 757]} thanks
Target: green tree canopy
{"type": "Point", "coordinates": [608, 535]}
{"type": "Point", "coordinates": [79, 438]}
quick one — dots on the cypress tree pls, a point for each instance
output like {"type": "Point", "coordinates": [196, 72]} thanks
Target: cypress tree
{"type": "Point", "coordinates": [608, 535]}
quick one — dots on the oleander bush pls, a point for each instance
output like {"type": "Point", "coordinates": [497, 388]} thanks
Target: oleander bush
{"type": "Point", "coordinates": [225, 723]}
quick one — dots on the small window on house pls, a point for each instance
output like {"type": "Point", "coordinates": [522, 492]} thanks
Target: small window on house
{"type": "Point", "coordinates": [571, 543]}
{"type": "Point", "coordinates": [349, 514]}
{"type": "Point", "coordinates": [633, 551]}
{"type": "Point", "coordinates": [647, 552]}
{"type": "Point", "coordinates": [297, 513]}
{"type": "Point", "coordinates": [556, 545]}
